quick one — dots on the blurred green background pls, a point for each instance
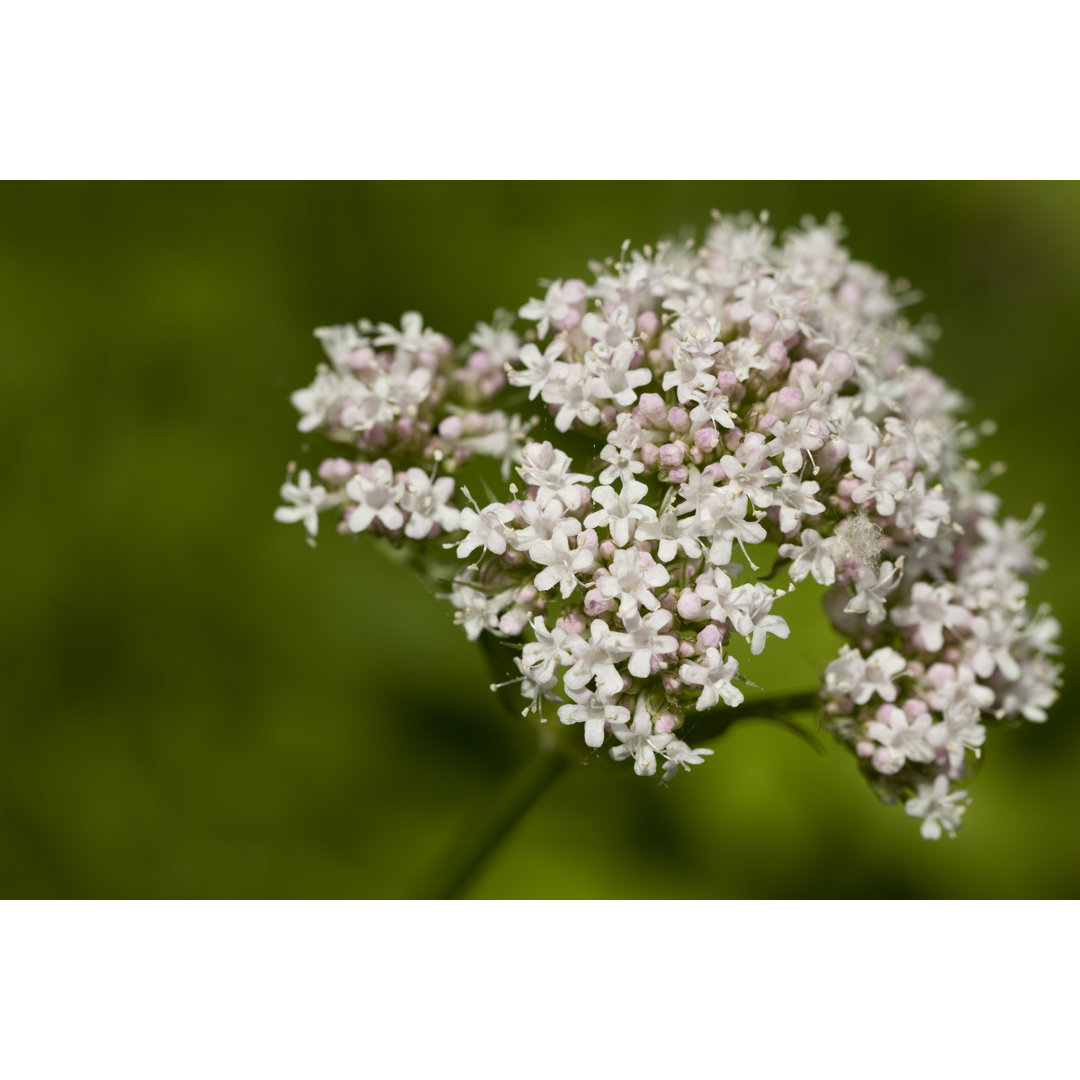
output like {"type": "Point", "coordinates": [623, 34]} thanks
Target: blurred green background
{"type": "Point", "coordinates": [198, 705]}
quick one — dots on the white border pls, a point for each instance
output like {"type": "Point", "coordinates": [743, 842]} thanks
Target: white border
{"type": "Point", "coordinates": [589, 90]}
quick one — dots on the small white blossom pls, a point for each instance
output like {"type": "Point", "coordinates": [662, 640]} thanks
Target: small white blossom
{"type": "Point", "coordinates": [632, 580]}
{"type": "Point", "coordinates": [620, 512]}
{"type": "Point", "coordinates": [306, 501]}
{"type": "Point", "coordinates": [714, 677]}
{"type": "Point", "coordinates": [377, 496]}
{"type": "Point", "coordinates": [594, 713]}
{"type": "Point", "coordinates": [639, 741]}
{"type": "Point", "coordinates": [679, 754]}
{"type": "Point", "coordinates": [938, 807]}
{"type": "Point", "coordinates": [487, 529]}
{"type": "Point", "coordinates": [810, 556]}
{"type": "Point", "coordinates": [562, 565]}
{"type": "Point", "coordinates": [428, 504]}
{"type": "Point", "coordinates": [901, 738]}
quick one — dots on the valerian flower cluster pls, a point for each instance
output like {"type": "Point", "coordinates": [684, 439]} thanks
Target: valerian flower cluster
{"type": "Point", "coordinates": [667, 437]}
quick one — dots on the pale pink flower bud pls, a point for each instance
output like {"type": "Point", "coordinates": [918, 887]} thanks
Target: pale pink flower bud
{"type": "Point", "coordinates": [647, 323]}
{"type": "Point", "coordinates": [596, 603]}
{"type": "Point", "coordinates": [336, 470]}
{"type": "Point", "coordinates": [689, 605]}
{"type": "Point", "coordinates": [653, 408]}
{"type": "Point", "coordinates": [665, 722]}
{"type": "Point", "coordinates": [451, 428]}
{"type": "Point", "coordinates": [575, 291]}
{"type": "Point", "coordinates": [838, 367]}
{"type": "Point", "coordinates": [671, 454]}
{"type": "Point", "coordinates": [790, 400]}
{"type": "Point", "coordinates": [678, 418]}
{"type": "Point", "coordinates": [706, 439]}
{"type": "Point", "coordinates": [762, 323]}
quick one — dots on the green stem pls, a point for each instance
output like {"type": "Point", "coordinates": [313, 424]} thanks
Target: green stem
{"type": "Point", "coordinates": [482, 836]}
{"type": "Point", "coordinates": [714, 722]}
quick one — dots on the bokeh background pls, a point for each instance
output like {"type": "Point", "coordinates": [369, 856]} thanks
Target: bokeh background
{"type": "Point", "coordinates": [196, 704]}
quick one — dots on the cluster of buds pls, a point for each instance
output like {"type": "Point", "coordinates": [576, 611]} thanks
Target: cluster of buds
{"type": "Point", "coordinates": [658, 447]}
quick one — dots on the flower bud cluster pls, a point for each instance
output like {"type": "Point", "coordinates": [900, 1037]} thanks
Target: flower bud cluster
{"type": "Point", "coordinates": [690, 410]}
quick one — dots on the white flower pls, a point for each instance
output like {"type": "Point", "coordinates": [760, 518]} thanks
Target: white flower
{"type": "Point", "coordinates": [622, 463]}
{"type": "Point", "coordinates": [614, 378]}
{"type": "Point", "coordinates": [880, 481]}
{"type": "Point", "coordinates": [620, 511]}
{"type": "Point", "coordinates": [485, 529]}
{"type": "Point", "coordinates": [882, 667]}
{"type": "Point", "coordinates": [594, 713]}
{"type": "Point", "coordinates": [562, 565]}
{"type": "Point", "coordinates": [572, 393]}
{"type": "Point", "coordinates": [792, 437]}
{"type": "Point", "coordinates": [678, 753]}
{"type": "Point", "coordinates": [632, 579]}
{"type": "Point", "coordinates": [714, 677]}
{"type": "Point", "coordinates": [497, 339]}
{"type": "Point", "coordinates": [476, 611]}
{"type": "Point", "coordinates": [954, 691]}
{"type": "Point", "coordinates": [844, 673]}
{"type": "Point", "coordinates": [931, 611]}
{"type": "Point", "coordinates": [412, 338]}
{"type": "Point", "coordinates": [901, 738]}
{"type": "Point", "coordinates": [544, 467]}
{"type": "Point", "coordinates": [871, 588]}
{"type": "Point", "coordinates": [377, 496]}
{"type": "Point", "coordinates": [796, 498]}
{"type": "Point", "coordinates": [341, 343]}
{"type": "Point", "coordinates": [646, 642]}
{"type": "Point", "coordinates": [561, 305]}
{"type": "Point", "coordinates": [548, 651]}
{"type": "Point", "coordinates": [595, 658]}
{"type": "Point", "coordinates": [712, 407]}
{"type": "Point", "coordinates": [639, 742]}
{"type": "Point", "coordinates": [760, 388]}
{"type": "Point", "coordinates": [691, 376]}
{"type": "Point", "coordinates": [306, 501]}
{"type": "Point", "coordinates": [318, 399]}
{"type": "Point", "coordinates": [749, 609]}
{"type": "Point", "coordinates": [427, 504]}
{"type": "Point", "coordinates": [723, 517]}
{"type": "Point", "coordinates": [756, 478]}
{"type": "Point", "coordinates": [362, 407]}
{"type": "Point", "coordinates": [542, 522]}
{"type": "Point", "coordinates": [810, 556]}
{"type": "Point", "coordinates": [938, 807]}
{"type": "Point", "coordinates": [672, 533]}
{"type": "Point", "coordinates": [956, 734]}
{"type": "Point", "coordinates": [923, 511]}
{"type": "Point", "coordinates": [537, 369]}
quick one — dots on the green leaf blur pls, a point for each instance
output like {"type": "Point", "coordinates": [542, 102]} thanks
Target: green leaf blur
{"type": "Point", "coordinates": [198, 705]}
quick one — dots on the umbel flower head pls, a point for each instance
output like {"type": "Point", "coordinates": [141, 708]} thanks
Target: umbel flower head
{"type": "Point", "coordinates": [662, 445]}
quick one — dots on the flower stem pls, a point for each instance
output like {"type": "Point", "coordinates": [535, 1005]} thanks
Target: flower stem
{"type": "Point", "coordinates": [714, 722]}
{"type": "Point", "coordinates": [482, 836]}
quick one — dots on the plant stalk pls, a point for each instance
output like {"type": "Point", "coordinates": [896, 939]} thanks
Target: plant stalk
{"type": "Point", "coordinates": [482, 836]}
